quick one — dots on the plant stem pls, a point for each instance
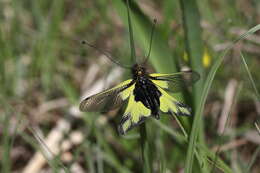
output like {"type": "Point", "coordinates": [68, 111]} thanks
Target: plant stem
{"type": "Point", "coordinates": [145, 149]}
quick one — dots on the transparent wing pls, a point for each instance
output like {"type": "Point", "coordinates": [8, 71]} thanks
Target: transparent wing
{"type": "Point", "coordinates": [106, 100]}
{"type": "Point", "coordinates": [175, 82]}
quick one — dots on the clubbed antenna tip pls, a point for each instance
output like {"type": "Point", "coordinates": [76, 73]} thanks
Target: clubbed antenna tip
{"type": "Point", "coordinates": [83, 42]}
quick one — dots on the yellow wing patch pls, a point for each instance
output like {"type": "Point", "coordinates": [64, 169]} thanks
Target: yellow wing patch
{"type": "Point", "coordinates": [160, 83]}
{"type": "Point", "coordinates": [135, 112]}
{"type": "Point", "coordinates": [127, 92]}
{"type": "Point", "coordinates": [164, 74]}
{"type": "Point", "coordinates": [169, 104]}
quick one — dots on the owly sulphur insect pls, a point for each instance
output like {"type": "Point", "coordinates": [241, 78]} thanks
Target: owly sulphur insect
{"type": "Point", "coordinates": [146, 95]}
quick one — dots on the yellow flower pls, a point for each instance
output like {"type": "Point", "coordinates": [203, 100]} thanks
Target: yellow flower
{"type": "Point", "coordinates": [206, 59]}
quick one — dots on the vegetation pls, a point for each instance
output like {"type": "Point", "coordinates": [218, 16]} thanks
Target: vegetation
{"type": "Point", "coordinates": [45, 71]}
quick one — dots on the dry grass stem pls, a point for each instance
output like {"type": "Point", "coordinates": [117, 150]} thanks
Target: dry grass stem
{"type": "Point", "coordinates": [227, 106]}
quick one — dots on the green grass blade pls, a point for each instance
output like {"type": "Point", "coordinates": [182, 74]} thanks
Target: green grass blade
{"type": "Point", "coordinates": [194, 44]}
{"type": "Point", "coordinates": [250, 76]}
{"type": "Point", "coordinates": [193, 40]}
{"type": "Point", "coordinates": [194, 47]}
{"type": "Point", "coordinates": [215, 160]}
{"type": "Point", "coordinates": [54, 161]}
{"type": "Point", "coordinates": [199, 111]}
{"type": "Point", "coordinates": [132, 43]}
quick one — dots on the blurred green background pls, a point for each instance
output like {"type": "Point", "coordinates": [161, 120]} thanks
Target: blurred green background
{"type": "Point", "coordinates": [45, 71]}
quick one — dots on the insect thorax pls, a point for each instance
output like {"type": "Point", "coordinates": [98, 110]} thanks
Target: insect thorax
{"type": "Point", "coordinates": [138, 71]}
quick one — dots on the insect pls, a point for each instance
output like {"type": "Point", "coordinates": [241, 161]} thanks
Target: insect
{"type": "Point", "coordinates": [146, 95]}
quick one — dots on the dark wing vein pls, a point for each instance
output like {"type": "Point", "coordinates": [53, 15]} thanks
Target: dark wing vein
{"type": "Point", "coordinates": [104, 101]}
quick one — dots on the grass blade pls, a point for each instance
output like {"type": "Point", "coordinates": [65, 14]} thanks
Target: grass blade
{"type": "Point", "coordinates": [132, 43]}
{"type": "Point", "coordinates": [250, 76]}
{"type": "Point", "coordinates": [194, 47]}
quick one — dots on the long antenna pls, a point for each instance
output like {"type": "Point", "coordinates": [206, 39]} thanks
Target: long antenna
{"type": "Point", "coordinates": [151, 41]}
{"type": "Point", "coordinates": [106, 53]}
{"type": "Point", "coordinates": [132, 44]}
